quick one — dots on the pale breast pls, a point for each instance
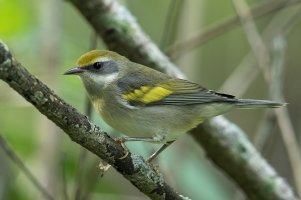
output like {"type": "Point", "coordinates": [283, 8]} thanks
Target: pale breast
{"type": "Point", "coordinates": [165, 123]}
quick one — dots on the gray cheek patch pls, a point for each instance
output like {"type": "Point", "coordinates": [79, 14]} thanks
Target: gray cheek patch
{"type": "Point", "coordinates": [109, 67]}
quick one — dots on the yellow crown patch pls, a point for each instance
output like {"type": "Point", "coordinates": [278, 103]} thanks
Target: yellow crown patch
{"type": "Point", "coordinates": [90, 57]}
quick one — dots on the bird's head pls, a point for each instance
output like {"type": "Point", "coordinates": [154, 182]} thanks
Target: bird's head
{"type": "Point", "coordinates": [98, 68]}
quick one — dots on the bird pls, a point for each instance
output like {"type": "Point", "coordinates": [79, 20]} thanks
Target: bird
{"type": "Point", "coordinates": [147, 105]}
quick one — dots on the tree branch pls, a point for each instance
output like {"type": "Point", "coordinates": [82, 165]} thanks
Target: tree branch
{"type": "Point", "coordinates": [18, 161]}
{"type": "Point", "coordinates": [81, 130]}
{"type": "Point", "coordinates": [228, 23]}
{"type": "Point", "coordinates": [229, 148]}
{"type": "Point", "coordinates": [122, 34]}
{"type": "Point", "coordinates": [119, 29]}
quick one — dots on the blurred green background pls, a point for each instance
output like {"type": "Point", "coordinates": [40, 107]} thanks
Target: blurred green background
{"type": "Point", "coordinates": [48, 36]}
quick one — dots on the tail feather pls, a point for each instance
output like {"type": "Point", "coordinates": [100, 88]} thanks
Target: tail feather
{"type": "Point", "coordinates": [253, 103]}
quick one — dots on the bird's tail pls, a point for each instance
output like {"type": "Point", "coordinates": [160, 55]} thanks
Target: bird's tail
{"type": "Point", "coordinates": [253, 103]}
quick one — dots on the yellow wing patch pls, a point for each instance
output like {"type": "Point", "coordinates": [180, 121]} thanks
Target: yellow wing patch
{"type": "Point", "coordinates": [148, 94]}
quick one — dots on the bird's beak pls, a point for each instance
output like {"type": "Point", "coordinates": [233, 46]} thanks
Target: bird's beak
{"type": "Point", "coordinates": [75, 70]}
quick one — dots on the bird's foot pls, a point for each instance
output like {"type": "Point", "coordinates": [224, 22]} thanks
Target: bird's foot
{"type": "Point", "coordinates": [125, 149]}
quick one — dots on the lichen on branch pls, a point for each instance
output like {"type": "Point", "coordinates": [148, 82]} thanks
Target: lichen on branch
{"type": "Point", "coordinates": [81, 130]}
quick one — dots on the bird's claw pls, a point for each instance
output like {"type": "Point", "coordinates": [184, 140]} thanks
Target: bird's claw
{"type": "Point", "coordinates": [125, 149]}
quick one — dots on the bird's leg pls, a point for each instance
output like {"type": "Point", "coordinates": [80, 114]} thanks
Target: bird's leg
{"type": "Point", "coordinates": [125, 150]}
{"type": "Point", "coordinates": [122, 140]}
{"type": "Point", "coordinates": [154, 155]}
{"type": "Point", "coordinates": [143, 139]}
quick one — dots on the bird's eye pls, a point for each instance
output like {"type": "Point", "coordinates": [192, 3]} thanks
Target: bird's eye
{"type": "Point", "coordinates": [97, 65]}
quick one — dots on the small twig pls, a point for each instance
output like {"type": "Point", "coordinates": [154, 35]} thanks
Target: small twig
{"type": "Point", "coordinates": [13, 157]}
{"type": "Point", "coordinates": [264, 62]}
{"type": "Point", "coordinates": [122, 34]}
{"type": "Point", "coordinates": [173, 10]}
{"type": "Point", "coordinates": [50, 58]}
{"type": "Point", "coordinates": [264, 130]}
{"type": "Point", "coordinates": [257, 45]}
{"type": "Point", "coordinates": [79, 192]}
{"type": "Point", "coordinates": [64, 180]}
{"type": "Point", "coordinates": [91, 175]}
{"type": "Point", "coordinates": [93, 45]}
{"type": "Point", "coordinates": [237, 81]}
{"type": "Point", "coordinates": [258, 174]}
{"type": "Point", "coordinates": [246, 71]}
{"type": "Point", "coordinates": [290, 141]}
{"type": "Point", "coordinates": [287, 131]}
{"type": "Point", "coordinates": [261, 54]}
{"type": "Point", "coordinates": [81, 130]}
{"type": "Point", "coordinates": [180, 48]}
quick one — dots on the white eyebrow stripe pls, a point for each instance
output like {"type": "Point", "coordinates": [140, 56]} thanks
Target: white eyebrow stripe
{"type": "Point", "coordinates": [103, 59]}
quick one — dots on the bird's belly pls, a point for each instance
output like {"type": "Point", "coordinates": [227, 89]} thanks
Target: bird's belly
{"type": "Point", "coordinates": [163, 123]}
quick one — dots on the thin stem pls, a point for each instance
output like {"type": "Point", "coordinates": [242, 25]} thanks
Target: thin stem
{"type": "Point", "coordinates": [13, 157]}
{"type": "Point", "coordinates": [285, 123]}
{"type": "Point", "coordinates": [81, 130]}
{"type": "Point", "coordinates": [64, 180]}
{"type": "Point", "coordinates": [257, 45]}
{"type": "Point", "coordinates": [78, 192]}
{"type": "Point", "coordinates": [172, 12]}
{"type": "Point", "coordinates": [264, 62]}
{"type": "Point", "coordinates": [228, 23]}
{"type": "Point", "coordinates": [243, 75]}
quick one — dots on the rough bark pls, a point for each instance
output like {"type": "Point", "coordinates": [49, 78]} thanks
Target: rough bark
{"type": "Point", "coordinates": [81, 130]}
{"type": "Point", "coordinates": [225, 144]}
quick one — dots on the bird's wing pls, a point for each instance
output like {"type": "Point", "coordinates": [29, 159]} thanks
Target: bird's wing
{"type": "Point", "coordinates": [173, 92]}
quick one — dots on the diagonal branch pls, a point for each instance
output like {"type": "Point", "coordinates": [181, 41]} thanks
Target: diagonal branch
{"type": "Point", "coordinates": [121, 33]}
{"type": "Point", "coordinates": [223, 26]}
{"type": "Point", "coordinates": [230, 150]}
{"type": "Point", "coordinates": [119, 29]}
{"type": "Point", "coordinates": [263, 58]}
{"type": "Point", "coordinates": [81, 130]}
{"type": "Point", "coordinates": [17, 160]}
